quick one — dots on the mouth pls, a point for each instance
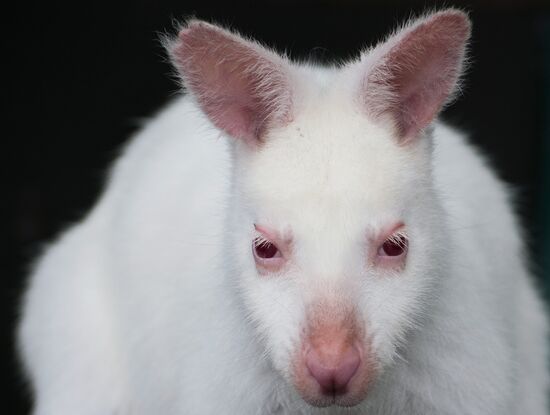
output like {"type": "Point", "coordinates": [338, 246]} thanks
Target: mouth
{"type": "Point", "coordinates": [323, 401]}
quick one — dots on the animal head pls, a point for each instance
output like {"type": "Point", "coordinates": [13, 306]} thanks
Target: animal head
{"type": "Point", "coordinates": [335, 230]}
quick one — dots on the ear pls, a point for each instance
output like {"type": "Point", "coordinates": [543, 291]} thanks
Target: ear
{"type": "Point", "coordinates": [415, 72]}
{"type": "Point", "coordinates": [243, 88]}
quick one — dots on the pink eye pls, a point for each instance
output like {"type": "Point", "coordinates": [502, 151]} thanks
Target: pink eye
{"type": "Point", "coordinates": [390, 248]}
{"type": "Point", "coordinates": [394, 246]}
{"type": "Point", "coordinates": [266, 250]}
{"type": "Point", "coordinates": [270, 257]}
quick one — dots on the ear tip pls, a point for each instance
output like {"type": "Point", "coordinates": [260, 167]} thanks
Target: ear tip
{"type": "Point", "coordinates": [190, 33]}
{"type": "Point", "coordinates": [456, 18]}
{"type": "Point", "coordinates": [195, 26]}
{"type": "Point", "coordinates": [450, 22]}
{"type": "Point", "coordinates": [195, 23]}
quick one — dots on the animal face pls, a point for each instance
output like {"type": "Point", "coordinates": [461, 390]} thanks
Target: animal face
{"type": "Point", "coordinates": [330, 250]}
{"type": "Point", "coordinates": [334, 227]}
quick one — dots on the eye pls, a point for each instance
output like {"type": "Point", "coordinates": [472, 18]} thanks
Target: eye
{"type": "Point", "coordinates": [394, 246]}
{"type": "Point", "coordinates": [269, 256]}
{"type": "Point", "coordinates": [264, 249]}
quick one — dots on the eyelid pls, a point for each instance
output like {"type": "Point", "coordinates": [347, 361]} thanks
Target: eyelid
{"type": "Point", "coordinates": [387, 233]}
{"type": "Point", "coordinates": [399, 237]}
{"type": "Point", "coordinates": [268, 234]}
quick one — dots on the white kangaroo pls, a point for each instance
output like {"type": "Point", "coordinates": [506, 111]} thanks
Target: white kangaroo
{"type": "Point", "coordinates": [337, 251]}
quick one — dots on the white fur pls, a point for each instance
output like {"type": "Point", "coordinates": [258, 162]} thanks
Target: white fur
{"type": "Point", "coordinates": [152, 304]}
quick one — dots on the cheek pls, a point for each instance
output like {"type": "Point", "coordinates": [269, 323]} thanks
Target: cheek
{"type": "Point", "coordinates": [276, 313]}
{"type": "Point", "coordinates": [393, 307]}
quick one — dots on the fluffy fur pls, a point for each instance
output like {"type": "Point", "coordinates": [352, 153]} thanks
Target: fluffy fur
{"type": "Point", "coordinates": [153, 305]}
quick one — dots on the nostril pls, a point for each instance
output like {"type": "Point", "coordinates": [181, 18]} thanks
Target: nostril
{"type": "Point", "coordinates": [347, 367]}
{"type": "Point", "coordinates": [333, 374]}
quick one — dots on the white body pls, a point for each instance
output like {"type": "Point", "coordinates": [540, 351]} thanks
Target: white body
{"type": "Point", "coordinates": [135, 305]}
{"type": "Point", "coordinates": [139, 309]}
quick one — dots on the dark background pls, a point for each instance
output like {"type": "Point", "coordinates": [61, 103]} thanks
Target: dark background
{"type": "Point", "coordinates": [83, 76]}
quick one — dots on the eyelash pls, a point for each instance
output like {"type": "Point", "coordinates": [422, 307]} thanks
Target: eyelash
{"type": "Point", "coordinates": [399, 240]}
{"type": "Point", "coordinates": [260, 239]}
{"type": "Point", "coordinates": [262, 243]}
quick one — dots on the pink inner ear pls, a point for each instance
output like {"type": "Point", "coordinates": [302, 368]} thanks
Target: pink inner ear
{"type": "Point", "coordinates": [241, 87]}
{"type": "Point", "coordinates": [418, 73]}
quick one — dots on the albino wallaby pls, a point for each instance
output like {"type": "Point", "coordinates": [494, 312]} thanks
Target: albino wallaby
{"type": "Point", "coordinates": [338, 251]}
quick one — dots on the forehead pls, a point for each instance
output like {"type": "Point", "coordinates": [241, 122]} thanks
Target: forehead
{"type": "Point", "coordinates": [329, 166]}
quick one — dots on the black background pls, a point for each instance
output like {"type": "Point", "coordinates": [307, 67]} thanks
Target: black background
{"type": "Point", "coordinates": [81, 78]}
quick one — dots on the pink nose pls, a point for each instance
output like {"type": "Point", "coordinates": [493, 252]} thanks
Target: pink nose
{"type": "Point", "coordinates": [333, 373]}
